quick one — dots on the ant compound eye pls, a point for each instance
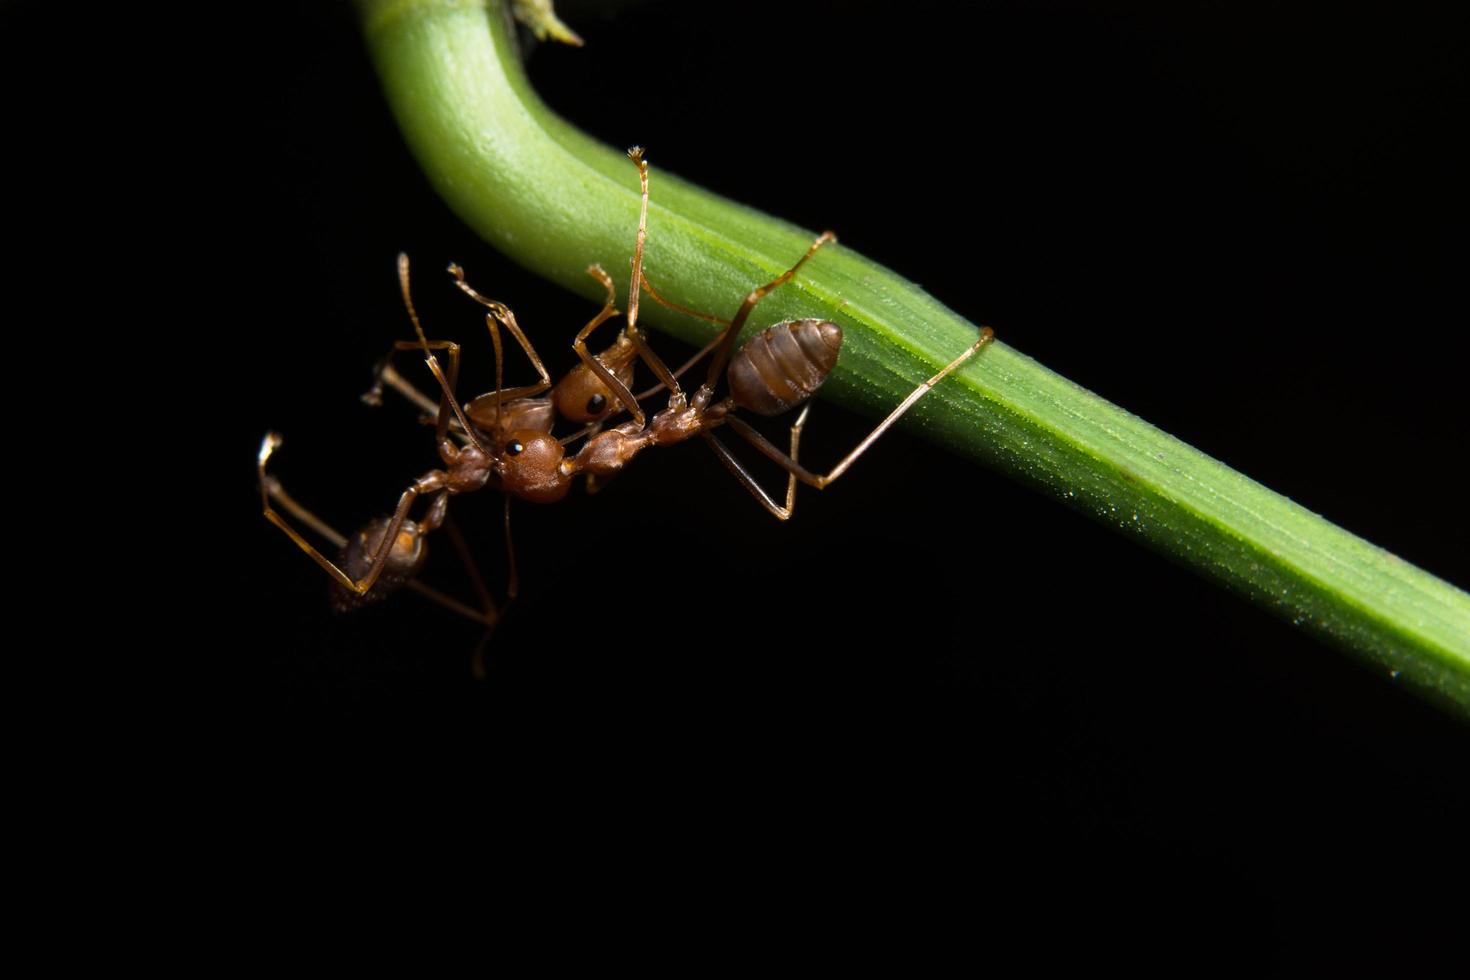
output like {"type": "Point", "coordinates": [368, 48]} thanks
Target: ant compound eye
{"type": "Point", "coordinates": [596, 404]}
{"type": "Point", "coordinates": [514, 448]}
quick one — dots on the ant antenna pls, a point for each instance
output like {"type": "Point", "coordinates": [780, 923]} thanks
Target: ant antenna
{"type": "Point", "coordinates": [448, 402]}
{"type": "Point", "coordinates": [408, 303]}
{"type": "Point", "coordinates": [636, 155]}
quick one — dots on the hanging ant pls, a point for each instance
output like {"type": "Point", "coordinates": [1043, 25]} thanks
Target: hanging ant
{"type": "Point", "coordinates": [503, 438]}
{"type": "Point", "coordinates": [371, 566]}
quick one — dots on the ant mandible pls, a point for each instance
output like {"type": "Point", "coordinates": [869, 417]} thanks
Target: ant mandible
{"type": "Point", "coordinates": [504, 436]}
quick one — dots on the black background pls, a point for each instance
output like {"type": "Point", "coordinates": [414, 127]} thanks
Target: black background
{"type": "Point", "coordinates": [1240, 222]}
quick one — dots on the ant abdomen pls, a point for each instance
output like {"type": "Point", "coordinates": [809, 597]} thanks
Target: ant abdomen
{"type": "Point", "coordinates": [511, 416]}
{"type": "Point", "coordinates": [402, 562]}
{"type": "Point", "coordinates": [783, 365]}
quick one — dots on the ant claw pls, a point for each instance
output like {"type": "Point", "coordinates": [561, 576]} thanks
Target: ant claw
{"type": "Point", "coordinates": [374, 395]}
{"type": "Point", "coordinates": [269, 445]}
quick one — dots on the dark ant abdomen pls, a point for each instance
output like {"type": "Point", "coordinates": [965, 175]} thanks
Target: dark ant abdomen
{"type": "Point", "coordinates": [403, 562]}
{"type": "Point", "coordinates": [783, 365]}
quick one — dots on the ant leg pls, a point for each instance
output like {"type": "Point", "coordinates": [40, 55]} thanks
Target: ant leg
{"type": "Point", "coordinates": [477, 659]}
{"type": "Point", "coordinates": [274, 491]}
{"type": "Point", "coordinates": [658, 298]}
{"type": "Point", "coordinates": [434, 409]}
{"type": "Point", "coordinates": [732, 330]}
{"type": "Point", "coordinates": [633, 332]}
{"type": "Point", "coordinates": [270, 488]}
{"type": "Point", "coordinates": [799, 472]}
{"type": "Point", "coordinates": [278, 493]}
{"type": "Point", "coordinates": [499, 313]}
{"type": "Point", "coordinates": [679, 373]}
{"type": "Point", "coordinates": [490, 403]}
{"type": "Point", "coordinates": [386, 374]}
{"type": "Point", "coordinates": [666, 378]}
{"type": "Point", "coordinates": [447, 401]}
{"type": "Point", "coordinates": [488, 619]}
{"type": "Point", "coordinates": [501, 394]}
{"type": "Point", "coordinates": [748, 482]}
{"type": "Point", "coordinates": [791, 480]}
{"type": "Point", "coordinates": [594, 363]}
{"type": "Point", "coordinates": [507, 319]}
{"type": "Point", "coordinates": [513, 586]}
{"type": "Point", "coordinates": [654, 295]}
{"type": "Point", "coordinates": [389, 376]}
{"type": "Point", "coordinates": [491, 615]}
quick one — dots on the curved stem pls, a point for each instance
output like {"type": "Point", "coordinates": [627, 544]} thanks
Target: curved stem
{"type": "Point", "coordinates": [556, 201]}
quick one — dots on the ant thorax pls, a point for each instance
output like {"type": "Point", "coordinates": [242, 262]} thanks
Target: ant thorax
{"type": "Point", "coordinates": [469, 468]}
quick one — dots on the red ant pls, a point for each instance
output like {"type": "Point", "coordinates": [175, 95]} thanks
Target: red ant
{"type": "Point", "coordinates": [504, 436]}
{"type": "Point", "coordinates": [371, 573]}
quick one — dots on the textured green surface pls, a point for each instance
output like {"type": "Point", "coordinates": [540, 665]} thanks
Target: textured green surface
{"type": "Point", "coordinates": [555, 201]}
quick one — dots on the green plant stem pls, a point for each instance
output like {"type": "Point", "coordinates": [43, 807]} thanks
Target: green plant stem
{"type": "Point", "coordinates": [556, 201]}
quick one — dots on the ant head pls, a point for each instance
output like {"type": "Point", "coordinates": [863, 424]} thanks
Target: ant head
{"type": "Point", "coordinates": [583, 397]}
{"type": "Point", "coordinates": [530, 467]}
